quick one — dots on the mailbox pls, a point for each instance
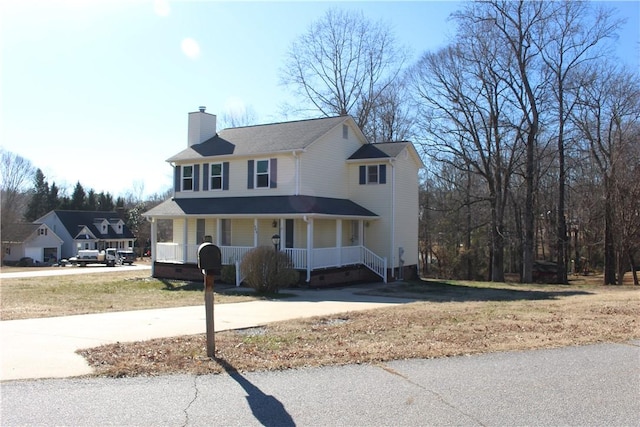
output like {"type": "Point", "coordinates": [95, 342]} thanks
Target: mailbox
{"type": "Point", "coordinates": [209, 258]}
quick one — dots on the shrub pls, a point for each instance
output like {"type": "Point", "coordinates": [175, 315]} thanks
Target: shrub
{"type": "Point", "coordinates": [266, 270]}
{"type": "Point", "coordinates": [228, 273]}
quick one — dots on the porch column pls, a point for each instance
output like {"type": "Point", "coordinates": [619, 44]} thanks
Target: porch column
{"type": "Point", "coordinates": [218, 232]}
{"type": "Point", "coordinates": [309, 222]}
{"type": "Point", "coordinates": [339, 242]}
{"type": "Point", "coordinates": [185, 239]}
{"type": "Point", "coordinates": [255, 232]}
{"type": "Point", "coordinates": [154, 243]}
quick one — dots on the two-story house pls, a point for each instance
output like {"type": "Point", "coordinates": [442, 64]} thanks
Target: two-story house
{"type": "Point", "coordinates": [345, 210]}
{"type": "Point", "coordinates": [88, 230]}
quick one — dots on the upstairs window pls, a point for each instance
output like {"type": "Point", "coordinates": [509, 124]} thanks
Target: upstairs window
{"type": "Point", "coordinates": [262, 174]}
{"type": "Point", "coordinates": [215, 181]}
{"type": "Point", "coordinates": [187, 178]}
{"type": "Point", "coordinates": [373, 174]}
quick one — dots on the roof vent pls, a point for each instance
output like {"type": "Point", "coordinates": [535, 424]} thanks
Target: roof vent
{"type": "Point", "coordinates": [202, 108]}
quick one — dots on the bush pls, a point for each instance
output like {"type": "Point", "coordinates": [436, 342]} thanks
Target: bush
{"type": "Point", "coordinates": [228, 274]}
{"type": "Point", "coordinates": [266, 270]}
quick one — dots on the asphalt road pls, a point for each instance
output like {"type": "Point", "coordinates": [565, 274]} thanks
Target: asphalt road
{"type": "Point", "coordinates": [593, 385]}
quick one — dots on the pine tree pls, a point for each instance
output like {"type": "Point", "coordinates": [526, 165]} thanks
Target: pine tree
{"type": "Point", "coordinates": [38, 204]}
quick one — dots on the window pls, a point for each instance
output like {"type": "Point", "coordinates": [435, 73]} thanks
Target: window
{"type": "Point", "coordinates": [225, 232]}
{"type": "Point", "coordinates": [373, 174]}
{"type": "Point", "coordinates": [215, 176]}
{"type": "Point", "coordinates": [262, 174]}
{"type": "Point", "coordinates": [345, 132]}
{"type": "Point", "coordinates": [187, 178]}
{"type": "Point", "coordinates": [199, 230]}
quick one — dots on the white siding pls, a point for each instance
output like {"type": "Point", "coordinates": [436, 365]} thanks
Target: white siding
{"type": "Point", "coordinates": [407, 207]}
{"type": "Point", "coordinates": [242, 232]}
{"type": "Point", "coordinates": [238, 174]}
{"type": "Point", "coordinates": [323, 167]}
{"type": "Point", "coordinates": [324, 233]}
{"type": "Point", "coordinates": [376, 198]}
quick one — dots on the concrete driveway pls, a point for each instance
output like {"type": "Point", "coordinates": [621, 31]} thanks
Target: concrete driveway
{"type": "Point", "coordinates": [45, 348]}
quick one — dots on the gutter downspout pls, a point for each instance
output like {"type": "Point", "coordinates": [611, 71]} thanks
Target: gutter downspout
{"type": "Point", "coordinates": [392, 254]}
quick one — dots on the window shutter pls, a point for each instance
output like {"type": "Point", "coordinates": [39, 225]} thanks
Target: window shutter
{"type": "Point", "coordinates": [382, 179]}
{"type": "Point", "coordinates": [273, 173]}
{"type": "Point", "coordinates": [196, 177]}
{"type": "Point", "coordinates": [225, 175]}
{"type": "Point", "coordinates": [363, 175]}
{"type": "Point", "coordinates": [176, 179]}
{"type": "Point", "coordinates": [250, 174]}
{"type": "Point", "coordinates": [205, 177]}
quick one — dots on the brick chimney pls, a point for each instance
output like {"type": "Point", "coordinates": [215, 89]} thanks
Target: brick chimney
{"type": "Point", "coordinates": [202, 126]}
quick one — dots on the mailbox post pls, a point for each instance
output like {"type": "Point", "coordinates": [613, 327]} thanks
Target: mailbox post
{"type": "Point", "coordinates": [209, 262]}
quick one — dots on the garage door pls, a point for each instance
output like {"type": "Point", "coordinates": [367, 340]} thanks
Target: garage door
{"type": "Point", "coordinates": [34, 253]}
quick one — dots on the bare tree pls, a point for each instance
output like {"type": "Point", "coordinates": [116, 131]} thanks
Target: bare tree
{"type": "Point", "coordinates": [606, 114]}
{"type": "Point", "coordinates": [343, 64]}
{"type": "Point", "coordinates": [568, 40]}
{"type": "Point", "coordinates": [17, 173]}
{"type": "Point", "coordinates": [464, 119]}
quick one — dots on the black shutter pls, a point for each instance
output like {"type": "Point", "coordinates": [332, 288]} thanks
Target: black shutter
{"type": "Point", "coordinates": [176, 179]}
{"type": "Point", "coordinates": [196, 177]}
{"type": "Point", "coordinates": [363, 175]}
{"type": "Point", "coordinates": [205, 177]}
{"type": "Point", "coordinates": [273, 173]}
{"type": "Point", "coordinates": [383, 174]}
{"type": "Point", "coordinates": [250, 174]}
{"type": "Point", "coordinates": [225, 175]}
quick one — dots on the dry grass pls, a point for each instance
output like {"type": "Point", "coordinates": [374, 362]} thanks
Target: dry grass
{"type": "Point", "coordinates": [23, 298]}
{"type": "Point", "coordinates": [451, 319]}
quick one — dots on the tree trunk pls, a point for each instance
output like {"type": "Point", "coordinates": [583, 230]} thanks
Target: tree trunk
{"type": "Point", "coordinates": [609, 250]}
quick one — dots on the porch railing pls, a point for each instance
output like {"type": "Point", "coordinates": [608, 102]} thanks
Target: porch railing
{"type": "Point", "coordinates": [320, 257]}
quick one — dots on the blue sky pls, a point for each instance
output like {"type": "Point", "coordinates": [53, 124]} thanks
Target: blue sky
{"type": "Point", "coordinates": [98, 91]}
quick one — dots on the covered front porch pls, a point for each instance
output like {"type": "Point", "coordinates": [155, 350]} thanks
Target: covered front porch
{"type": "Point", "coordinates": [312, 243]}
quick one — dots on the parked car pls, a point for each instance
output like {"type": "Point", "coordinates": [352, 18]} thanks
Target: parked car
{"type": "Point", "coordinates": [126, 257]}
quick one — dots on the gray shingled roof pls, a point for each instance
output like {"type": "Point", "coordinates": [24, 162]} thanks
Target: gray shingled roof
{"type": "Point", "coordinates": [19, 232]}
{"type": "Point", "coordinates": [74, 220]}
{"type": "Point", "coordinates": [261, 205]}
{"type": "Point", "coordinates": [261, 139]}
{"type": "Point", "coordinates": [379, 150]}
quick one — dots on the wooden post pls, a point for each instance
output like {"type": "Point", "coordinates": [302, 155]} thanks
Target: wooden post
{"type": "Point", "coordinates": [208, 304]}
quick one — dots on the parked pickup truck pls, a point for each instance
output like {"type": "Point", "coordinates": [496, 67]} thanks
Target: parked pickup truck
{"type": "Point", "coordinates": [126, 256]}
{"type": "Point", "coordinates": [92, 256]}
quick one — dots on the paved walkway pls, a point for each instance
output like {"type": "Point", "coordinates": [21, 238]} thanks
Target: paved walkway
{"type": "Point", "coordinates": [45, 348]}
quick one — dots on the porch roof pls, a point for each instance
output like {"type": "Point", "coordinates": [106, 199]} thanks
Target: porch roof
{"type": "Point", "coordinates": [260, 206]}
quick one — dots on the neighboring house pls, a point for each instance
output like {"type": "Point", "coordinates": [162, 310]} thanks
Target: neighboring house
{"type": "Point", "coordinates": [32, 240]}
{"type": "Point", "coordinates": [345, 210]}
{"type": "Point", "coordinates": [88, 230]}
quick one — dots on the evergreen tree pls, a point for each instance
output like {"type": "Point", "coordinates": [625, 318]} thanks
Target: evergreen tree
{"type": "Point", "coordinates": [78, 198]}
{"type": "Point", "coordinates": [92, 202]}
{"type": "Point", "coordinates": [38, 204]}
{"type": "Point", "coordinates": [52, 200]}
{"type": "Point", "coordinates": [105, 202]}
